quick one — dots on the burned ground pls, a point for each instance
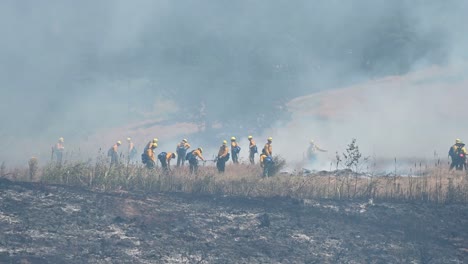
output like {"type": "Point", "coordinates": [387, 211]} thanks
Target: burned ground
{"type": "Point", "coordinates": [56, 224]}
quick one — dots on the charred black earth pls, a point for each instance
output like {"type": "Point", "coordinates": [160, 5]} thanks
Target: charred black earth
{"type": "Point", "coordinates": [57, 224]}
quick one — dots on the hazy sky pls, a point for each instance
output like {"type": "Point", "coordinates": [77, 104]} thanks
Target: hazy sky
{"type": "Point", "coordinates": [70, 67]}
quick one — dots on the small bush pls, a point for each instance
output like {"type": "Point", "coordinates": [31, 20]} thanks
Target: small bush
{"type": "Point", "coordinates": [278, 164]}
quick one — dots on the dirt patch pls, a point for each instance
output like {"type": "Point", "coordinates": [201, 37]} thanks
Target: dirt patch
{"type": "Point", "coordinates": [55, 224]}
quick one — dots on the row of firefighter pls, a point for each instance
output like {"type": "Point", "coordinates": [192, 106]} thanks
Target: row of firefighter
{"type": "Point", "coordinates": [184, 153]}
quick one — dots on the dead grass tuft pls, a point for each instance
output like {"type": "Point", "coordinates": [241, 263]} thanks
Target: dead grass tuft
{"type": "Point", "coordinates": [434, 185]}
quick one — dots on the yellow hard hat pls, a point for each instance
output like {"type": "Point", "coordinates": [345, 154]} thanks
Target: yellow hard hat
{"type": "Point", "coordinates": [233, 138]}
{"type": "Point", "coordinates": [154, 145]}
{"type": "Point", "coordinates": [201, 150]}
{"type": "Point", "coordinates": [224, 142]}
{"type": "Point", "coordinates": [119, 142]}
{"type": "Point", "coordinates": [249, 137]}
{"type": "Point", "coordinates": [155, 140]}
{"type": "Point", "coordinates": [61, 139]}
{"type": "Point", "coordinates": [270, 139]}
{"type": "Point", "coordinates": [129, 139]}
{"type": "Point", "coordinates": [174, 155]}
{"type": "Point", "coordinates": [184, 140]}
{"type": "Point", "coordinates": [458, 141]}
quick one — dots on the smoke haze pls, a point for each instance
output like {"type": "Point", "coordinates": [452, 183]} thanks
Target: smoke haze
{"type": "Point", "coordinates": [94, 71]}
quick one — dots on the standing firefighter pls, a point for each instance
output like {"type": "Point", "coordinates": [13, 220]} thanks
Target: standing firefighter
{"type": "Point", "coordinates": [252, 150]}
{"type": "Point", "coordinates": [132, 151]}
{"type": "Point", "coordinates": [312, 151]}
{"type": "Point", "coordinates": [193, 157]}
{"type": "Point", "coordinates": [268, 149]}
{"type": "Point", "coordinates": [58, 149]}
{"type": "Point", "coordinates": [148, 157]}
{"type": "Point", "coordinates": [223, 157]}
{"type": "Point", "coordinates": [113, 153]}
{"type": "Point", "coordinates": [458, 155]}
{"type": "Point", "coordinates": [165, 159]}
{"type": "Point", "coordinates": [181, 150]}
{"type": "Point", "coordinates": [235, 149]}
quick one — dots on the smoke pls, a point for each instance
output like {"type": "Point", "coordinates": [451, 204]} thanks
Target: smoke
{"type": "Point", "coordinates": [83, 70]}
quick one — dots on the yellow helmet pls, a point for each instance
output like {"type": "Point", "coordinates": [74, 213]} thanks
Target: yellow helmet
{"type": "Point", "coordinates": [224, 142]}
{"type": "Point", "coordinates": [458, 141]}
{"type": "Point", "coordinates": [173, 156]}
{"type": "Point", "coordinates": [270, 139]}
{"type": "Point", "coordinates": [249, 137]}
{"type": "Point", "coordinates": [201, 150]}
{"type": "Point", "coordinates": [154, 145]}
{"type": "Point", "coordinates": [119, 143]}
{"type": "Point", "coordinates": [233, 138]}
{"type": "Point", "coordinates": [61, 139]}
{"type": "Point", "coordinates": [155, 140]}
{"type": "Point", "coordinates": [129, 139]}
{"type": "Point", "coordinates": [184, 140]}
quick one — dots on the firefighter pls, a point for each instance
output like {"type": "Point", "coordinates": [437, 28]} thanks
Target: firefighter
{"type": "Point", "coordinates": [181, 150]}
{"type": "Point", "coordinates": [58, 150]}
{"type": "Point", "coordinates": [266, 158]}
{"type": "Point", "coordinates": [193, 157]}
{"type": "Point", "coordinates": [223, 156]}
{"type": "Point", "coordinates": [312, 151]}
{"type": "Point", "coordinates": [150, 145]}
{"type": "Point", "coordinates": [266, 163]}
{"type": "Point", "coordinates": [457, 154]}
{"type": "Point", "coordinates": [235, 149]}
{"type": "Point", "coordinates": [147, 157]}
{"type": "Point", "coordinates": [131, 151]}
{"type": "Point", "coordinates": [165, 159]}
{"type": "Point", "coordinates": [252, 150]}
{"type": "Point", "coordinates": [267, 149]}
{"type": "Point", "coordinates": [113, 153]}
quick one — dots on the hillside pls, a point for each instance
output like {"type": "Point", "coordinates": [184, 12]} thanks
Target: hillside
{"type": "Point", "coordinates": [416, 116]}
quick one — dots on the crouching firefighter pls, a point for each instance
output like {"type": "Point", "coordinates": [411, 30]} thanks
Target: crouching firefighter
{"type": "Point", "coordinates": [457, 154]}
{"type": "Point", "coordinates": [147, 157]}
{"type": "Point", "coordinates": [223, 157]}
{"type": "Point", "coordinates": [266, 162]}
{"type": "Point", "coordinates": [165, 159]}
{"type": "Point", "coordinates": [192, 157]}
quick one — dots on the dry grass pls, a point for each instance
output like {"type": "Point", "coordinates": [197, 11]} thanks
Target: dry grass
{"type": "Point", "coordinates": [435, 185]}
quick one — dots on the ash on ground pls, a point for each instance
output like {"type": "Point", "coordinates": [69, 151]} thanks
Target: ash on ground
{"type": "Point", "coordinates": [57, 224]}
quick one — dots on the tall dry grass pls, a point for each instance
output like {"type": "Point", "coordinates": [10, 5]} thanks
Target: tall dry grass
{"type": "Point", "coordinates": [435, 185]}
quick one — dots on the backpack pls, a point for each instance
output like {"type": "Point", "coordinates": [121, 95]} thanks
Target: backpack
{"type": "Point", "coordinates": [268, 160]}
{"type": "Point", "coordinates": [254, 149]}
{"type": "Point", "coordinates": [133, 152]}
{"type": "Point", "coordinates": [162, 156]}
{"type": "Point", "coordinates": [189, 156]}
{"type": "Point", "coordinates": [236, 149]}
{"type": "Point", "coordinates": [144, 158]}
{"type": "Point", "coordinates": [181, 149]}
{"type": "Point", "coordinates": [226, 158]}
{"type": "Point", "coordinates": [459, 153]}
